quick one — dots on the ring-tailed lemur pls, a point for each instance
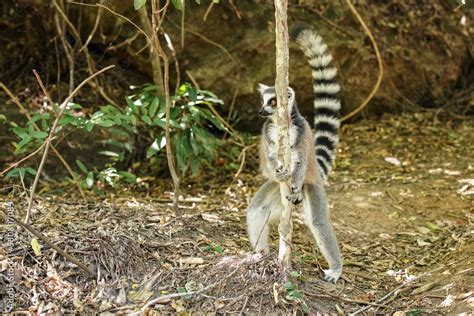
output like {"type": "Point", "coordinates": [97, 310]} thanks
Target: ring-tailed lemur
{"type": "Point", "coordinates": [311, 156]}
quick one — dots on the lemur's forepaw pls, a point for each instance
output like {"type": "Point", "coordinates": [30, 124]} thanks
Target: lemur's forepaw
{"type": "Point", "coordinates": [295, 196]}
{"type": "Point", "coordinates": [282, 174]}
{"type": "Point", "coordinates": [332, 275]}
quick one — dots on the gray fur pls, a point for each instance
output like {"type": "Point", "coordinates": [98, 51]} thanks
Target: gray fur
{"type": "Point", "coordinates": [309, 166]}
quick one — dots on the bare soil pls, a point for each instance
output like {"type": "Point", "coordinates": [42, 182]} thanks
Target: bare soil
{"type": "Point", "coordinates": [401, 198]}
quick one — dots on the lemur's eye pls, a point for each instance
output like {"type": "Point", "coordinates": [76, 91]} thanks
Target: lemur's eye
{"type": "Point", "coordinates": [289, 95]}
{"type": "Point", "coordinates": [273, 102]}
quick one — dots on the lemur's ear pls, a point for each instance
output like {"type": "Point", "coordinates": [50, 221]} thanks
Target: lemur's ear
{"type": "Point", "coordinates": [291, 94]}
{"type": "Point", "coordinates": [261, 87]}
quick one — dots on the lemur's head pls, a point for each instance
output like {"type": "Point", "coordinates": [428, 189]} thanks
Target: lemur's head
{"type": "Point", "coordinates": [269, 101]}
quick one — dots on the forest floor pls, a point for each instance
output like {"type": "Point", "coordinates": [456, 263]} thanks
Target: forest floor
{"type": "Point", "coordinates": [401, 200]}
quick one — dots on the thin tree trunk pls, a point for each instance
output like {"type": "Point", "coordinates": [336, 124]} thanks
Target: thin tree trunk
{"type": "Point", "coordinates": [158, 52]}
{"type": "Point", "coordinates": [154, 54]}
{"type": "Point", "coordinates": [283, 121]}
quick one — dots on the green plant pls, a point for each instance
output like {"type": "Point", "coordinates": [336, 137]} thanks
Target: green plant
{"type": "Point", "coordinates": [142, 120]}
{"type": "Point", "coordinates": [215, 248]}
{"type": "Point", "coordinates": [293, 294]}
{"type": "Point", "coordinates": [190, 119]}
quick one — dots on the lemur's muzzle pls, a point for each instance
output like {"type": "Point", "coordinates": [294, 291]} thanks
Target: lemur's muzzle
{"type": "Point", "coordinates": [263, 112]}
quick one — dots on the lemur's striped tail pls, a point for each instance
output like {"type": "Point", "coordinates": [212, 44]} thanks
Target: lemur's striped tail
{"type": "Point", "coordinates": [327, 104]}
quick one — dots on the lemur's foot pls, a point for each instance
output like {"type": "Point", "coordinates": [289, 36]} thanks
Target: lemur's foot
{"type": "Point", "coordinates": [281, 174]}
{"type": "Point", "coordinates": [332, 275]}
{"type": "Point", "coordinates": [295, 196]}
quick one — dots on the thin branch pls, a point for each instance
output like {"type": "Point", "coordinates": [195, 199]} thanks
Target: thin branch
{"type": "Point", "coordinates": [169, 151]}
{"type": "Point", "coordinates": [231, 108]}
{"type": "Point", "coordinates": [154, 55]}
{"type": "Point", "coordinates": [242, 160]}
{"type": "Point", "coordinates": [379, 61]}
{"type": "Point", "coordinates": [176, 63]}
{"type": "Point", "coordinates": [51, 134]}
{"type": "Point", "coordinates": [15, 164]}
{"type": "Point", "coordinates": [204, 38]}
{"type": "Point", "coordinates": [231, 130]}
{"type": "Point", "coordinates": [174, 295]}
{"type": "Point", "coordinates": [182, 24]}
{"type": "Point", "coordinates": [66, 47]}
{"type": "Point", "coordinates": [114, 13]}
{"type": "Point", "coordinates": [94, 29]}
{"type": "Point", "coordinates": [46, 240]}
{"type": "Point", "coordinates": [237, 12]}
{"type": "Point", "coordinates": [90, 63]}
{"type": "Point", "coordinates": [56, 152]}
{"type": "Point", "coordinates": [209, 8]}
{"type": "Point", "coordinates": [25, 112]}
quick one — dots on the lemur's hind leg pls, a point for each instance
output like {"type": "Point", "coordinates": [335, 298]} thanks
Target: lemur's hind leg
{"type": "Point", "coordinates": [265, 208]}
{"type": "Point", "coordinates": [316, 214]}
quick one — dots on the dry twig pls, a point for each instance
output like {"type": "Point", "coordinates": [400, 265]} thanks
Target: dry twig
{"type": "Point", "coordinates": [53, 148]}
{"type": "Point", "coordinates": [379, 61]}
{"type": "Point", "coordinates": [46, 240]}
{"type": "Point", "coordinates": [24, 111]}
{"type": "Point", "coordinates": [51, 134]}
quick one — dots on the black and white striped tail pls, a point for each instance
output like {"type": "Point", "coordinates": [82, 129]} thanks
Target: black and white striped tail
{"type": "Point", "coordinates": [327, 104]}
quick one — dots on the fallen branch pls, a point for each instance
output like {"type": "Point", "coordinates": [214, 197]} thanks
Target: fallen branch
{"type": "Point", "coordinates": [51, 134]}
{"type": "Point", "coordinates": [46, 240]}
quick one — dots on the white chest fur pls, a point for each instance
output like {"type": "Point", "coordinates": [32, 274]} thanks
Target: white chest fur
{"type": "Point", "coordinates": [272, 134]}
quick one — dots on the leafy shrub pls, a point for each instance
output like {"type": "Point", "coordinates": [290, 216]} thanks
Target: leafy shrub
{"type": "Point", "coordinates": [143, 117]}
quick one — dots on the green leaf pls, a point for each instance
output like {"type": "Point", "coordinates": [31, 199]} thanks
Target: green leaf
{"type": "Point", "coordinates": [109, 153]}
{"type": "Point", "coordinates": [66, 119]}
{"type": "Point", "coordinates": [129, 177]}
{"type": "Point", "coordinates": [73, 106]}
{"type": "Point", "coordinates": [39, 134]}
{"type": "Point", "coordinates": [289, 286]}
{"type": "Point", "coordinates": [295, 274]}
{"type": "Point", "coordinates": [195, 166]}
{"type": "Point", "coordinates": [89, 126]}
{"type": "Point", "coordinates": [153, 107]}
{"type": "Point", "coordinates": [21, 132]}
{"type": "Point", "coordinates": [209, 116]}
{"type": "Point", "coordinates": [23, 142]}
{"type": "Point", "coordinates": [137, 4]}
{"type": "Point", "coordinates": [218, 249]}
{"type": "Point", "coordinates": [22, 172]}
{"type": "Point", "coordinates": [31, 171]}
{"type": "Point", "coordinates": [106, 123]}
{"type": "Point", "coordinates": [131, 105]}
{"type": "Point", "coordinates": [13, 172]}
{"type": "Point", "coordinates": [133, 119]}
{"type": "Point", "coordinates": [90, 179]}
{"type": "Point", "coordinates": [178, 4]}
{"type": "Point", "coordinates": [38, 116]}
{"type": "Point", "coordinates": [146, 119]}
{"type": "Point", "coordinates": [36, 246]}
{"type": "Point", "coordinates": [81, 166]}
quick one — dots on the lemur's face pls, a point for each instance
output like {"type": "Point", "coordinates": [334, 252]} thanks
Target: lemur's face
{"type": "Point", "coordinates": [269, 101]}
